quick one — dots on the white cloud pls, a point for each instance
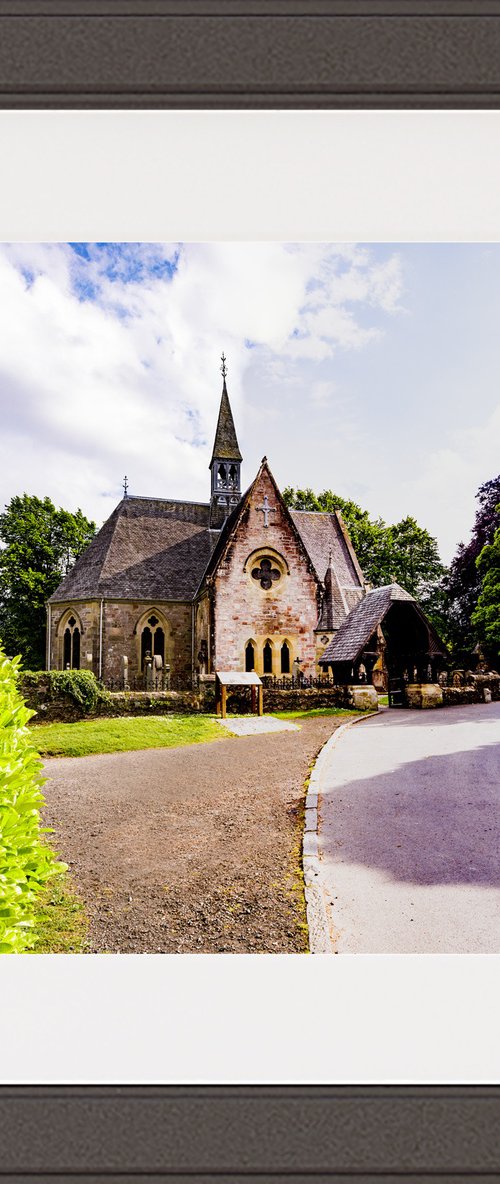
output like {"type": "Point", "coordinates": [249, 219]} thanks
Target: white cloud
{"type": "Point", "coordinates": [127, 381]}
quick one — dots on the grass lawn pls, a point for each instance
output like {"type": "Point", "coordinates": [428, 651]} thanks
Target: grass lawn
{"type": "Point", "coordinates": [91, 736]}
{"type": "Point", "coordinates": [61, 924]}
{"type": "Point", "coordinates": [306, 714]}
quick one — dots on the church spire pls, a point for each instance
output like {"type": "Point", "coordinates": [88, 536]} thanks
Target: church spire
{"type": "Point", "coordinates": [225, 462]}
{"type": "Point", "coordinates": [225, 443]}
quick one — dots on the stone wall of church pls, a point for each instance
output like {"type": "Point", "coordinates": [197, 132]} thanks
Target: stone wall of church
{"type": "Point", "coordinates": [121, 635]}
{"type": "Point", "coordinates": [87, 617]}
{"type": "Point", "coordinates": [202, 635]}
{"type": "Point", "coordinates": [245, 609]}
{"type": "Point", "coordinates": [123, 622]}
{"type": "Point", "coordinates": [322, 640]}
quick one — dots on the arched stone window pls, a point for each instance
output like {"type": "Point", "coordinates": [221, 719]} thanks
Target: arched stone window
{"type": "Point", "coordinates": [222, 475]}
{"type": "Point", "coordinates": [71, 644]}
{"type": "Point", "coordinates": [267, 658]}
{"type": "Point", "coordinates": [152, 639]}
{"type": "Point", "coordinates": [249, 656]}
{"type": "Point", "coordinates": [285, 658]}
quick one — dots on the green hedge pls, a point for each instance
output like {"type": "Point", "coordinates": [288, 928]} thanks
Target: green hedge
{"type": "Point", "coordinates": [80, 686]}
{"type": "Point", "coordinates": [26, 863]}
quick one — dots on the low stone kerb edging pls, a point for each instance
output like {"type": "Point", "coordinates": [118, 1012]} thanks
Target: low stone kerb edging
{"type": "Point", "coordinates": [317, 920]}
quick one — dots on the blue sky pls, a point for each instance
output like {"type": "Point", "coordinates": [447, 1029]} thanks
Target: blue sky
{"type": "Point", "coordinates": [372, 370]}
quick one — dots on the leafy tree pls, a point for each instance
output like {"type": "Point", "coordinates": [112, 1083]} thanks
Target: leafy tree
{"type": "Point", "coordinates": [414, 556]}
{"type": "Point", "coordinates": [486, 616]}
{"type": "Point", "coordinates": [463, 584]}
{"type": "Point", "coordinates": [369, 536]}
{"type": "Point", "coordinates": [405, 553]}
{"type": "Point", "coordinates": [41, 544]}
{"type": "Point", "coordinates": [416, 565]}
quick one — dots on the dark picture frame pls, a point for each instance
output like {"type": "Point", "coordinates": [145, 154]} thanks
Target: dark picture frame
{"type": "Point", "coordinates": [249, 54]}
{"type": "Point", "coordinates": [305, 1134]}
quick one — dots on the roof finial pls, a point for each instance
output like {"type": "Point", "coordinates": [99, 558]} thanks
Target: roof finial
{"type": "Point", "coordinates": [125, 486]}
{"type": "Point", "coordinates": [223, 367]}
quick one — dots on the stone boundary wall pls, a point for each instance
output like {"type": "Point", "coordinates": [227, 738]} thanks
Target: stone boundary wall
{"type": "Point", "coordinates": [479, 689]}
{"type": "Point", "coordinates": [474, 693]}
{"type": "Point", "coordinates": [159, 702]}
{"type": "Point", "coordinates": [300, 699]}
{"type": "Point", "coordinates": [63, 708]}
{"type": "Point", "coordinates": [123, 703]}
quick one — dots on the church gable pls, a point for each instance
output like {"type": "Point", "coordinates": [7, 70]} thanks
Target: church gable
{"type": "Point", "coordinates": [266, 593]}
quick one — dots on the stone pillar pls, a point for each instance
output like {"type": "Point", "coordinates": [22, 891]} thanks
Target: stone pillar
{"type": "Point", "coordinates": [427, 694]}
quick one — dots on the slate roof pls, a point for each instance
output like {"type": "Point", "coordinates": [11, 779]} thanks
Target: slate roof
{"type": "Point", "coordinates": [160, 549]}
{"type": "Point", "coordinates": [334, 606]}
{"type": "Point", "coordinates": [225, 443]}
{"type": "Point", "coordinates": [150, 548]}
{"type": "Point", "coordinates": [323, 534]}
{"type": "Point", "coordinates": [357, 629]}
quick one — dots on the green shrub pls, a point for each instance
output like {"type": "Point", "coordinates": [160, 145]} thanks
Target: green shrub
{"type": "Point", "coordinates": [81, 686]}
{"type": "Point", "coordinates": [26, 863]}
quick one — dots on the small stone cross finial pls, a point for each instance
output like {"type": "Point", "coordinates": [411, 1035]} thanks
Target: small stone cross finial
{"type": "Point", "coordinates": [266, 510]}
{"type": "Point", "coordinates": [223, 367]}
{"type": "Point", "coordinates": [125, 486]}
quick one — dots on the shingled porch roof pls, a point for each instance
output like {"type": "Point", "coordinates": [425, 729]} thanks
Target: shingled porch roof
{"type": "Point", "coordinates": [357, 629]}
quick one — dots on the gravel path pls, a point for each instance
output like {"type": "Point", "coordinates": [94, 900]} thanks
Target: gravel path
{"type": "Point", "coordinates": [409, 833]}
{"type": "Point", "coordinates": [191, 849]}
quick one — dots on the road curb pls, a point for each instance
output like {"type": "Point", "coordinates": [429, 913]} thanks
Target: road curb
{"type": "Point", "coordinates": [317, 920]}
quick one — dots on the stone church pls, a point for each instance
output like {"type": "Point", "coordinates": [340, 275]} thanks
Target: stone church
{"type": "Point", "coordinates": [237, 583]}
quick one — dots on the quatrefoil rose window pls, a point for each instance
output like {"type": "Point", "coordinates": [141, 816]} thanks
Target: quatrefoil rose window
{"type": "Point", "coordinates": [266, 573]}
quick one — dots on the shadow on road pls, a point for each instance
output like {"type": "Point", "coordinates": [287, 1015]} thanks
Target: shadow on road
{"type": "Point", "coordinates": [434, 820]}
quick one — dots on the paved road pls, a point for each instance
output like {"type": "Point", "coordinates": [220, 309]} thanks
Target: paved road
{"type": "Point", "coordinates": [409, 833]}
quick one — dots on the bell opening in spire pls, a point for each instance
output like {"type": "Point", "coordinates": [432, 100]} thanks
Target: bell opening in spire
{"type": "Point", "coordinates": [226, 460]}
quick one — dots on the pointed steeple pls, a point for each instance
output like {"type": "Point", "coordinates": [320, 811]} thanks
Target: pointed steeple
{"type": "Point", "coordinates": [225, 443]}
{"type": "Point", "coordinates": [225, 462]}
